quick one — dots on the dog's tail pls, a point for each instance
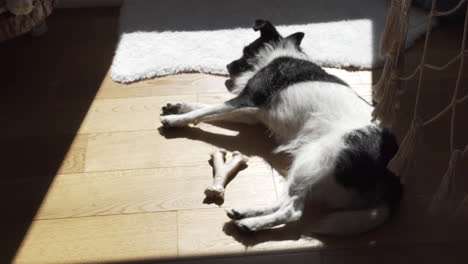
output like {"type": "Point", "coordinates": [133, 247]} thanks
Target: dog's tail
{"type": "Point", "coordinates": [363, 220]}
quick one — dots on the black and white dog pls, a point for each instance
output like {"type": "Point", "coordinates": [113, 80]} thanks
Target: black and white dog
{"type": "Point", "coordinates": [339, 154]}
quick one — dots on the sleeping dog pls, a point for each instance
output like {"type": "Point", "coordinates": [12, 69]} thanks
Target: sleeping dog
{"type": "Point", "coordinates": [339, 154]}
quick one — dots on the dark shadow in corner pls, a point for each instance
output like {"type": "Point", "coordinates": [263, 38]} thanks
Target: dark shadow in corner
{"type": "Point", "coordinates": [452, 252]}
{"type": "Point", "coordinates": [48, 84]}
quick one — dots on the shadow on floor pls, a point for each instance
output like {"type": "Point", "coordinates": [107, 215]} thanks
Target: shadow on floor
{"type": "Point", "coordinates": [48, 84]}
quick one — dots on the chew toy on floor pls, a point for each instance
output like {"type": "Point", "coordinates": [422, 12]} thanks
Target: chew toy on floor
{"type": "Point", "coordinates": [223, 171]}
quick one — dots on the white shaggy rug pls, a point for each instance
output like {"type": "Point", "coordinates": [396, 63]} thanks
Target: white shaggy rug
{"type": "Point", "coordinates": [172, 36]}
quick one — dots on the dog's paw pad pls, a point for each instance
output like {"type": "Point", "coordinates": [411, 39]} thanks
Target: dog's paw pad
{"type": "Point", "coordinates": [171, 109]}
{"type": "Point", "coordinates": [169, 121]}
{"type": "Point", "coordinates": [165, 122]}
{"type": "Point", "coordinates": [244, 227]}
{"type": "Point", "coordinates": [233, 214]}
{"type": "Point", "coordinates": [172, 121]}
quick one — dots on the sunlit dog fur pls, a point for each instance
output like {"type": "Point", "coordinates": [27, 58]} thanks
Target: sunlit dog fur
{"type": "Point", "coordinates": [339, 154]}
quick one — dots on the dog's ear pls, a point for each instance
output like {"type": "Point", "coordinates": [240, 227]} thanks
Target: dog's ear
{"type": "Point", "coordinates": [267, 30]}
{"type": "Point", "coordinates": [296, 38]}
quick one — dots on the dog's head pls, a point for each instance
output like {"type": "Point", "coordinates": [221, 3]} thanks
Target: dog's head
{"type": "Point", "coordinates": [269, 36]}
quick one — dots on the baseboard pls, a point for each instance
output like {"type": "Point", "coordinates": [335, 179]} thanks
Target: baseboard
{"type": "Point", "coordinates": [87, 3]}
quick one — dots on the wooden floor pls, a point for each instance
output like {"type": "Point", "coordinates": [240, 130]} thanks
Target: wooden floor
{"type": "Point", "coordinates": [88, 175]}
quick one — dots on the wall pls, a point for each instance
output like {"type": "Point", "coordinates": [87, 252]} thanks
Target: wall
{"type": "Point", "coordinates": [88, 3]}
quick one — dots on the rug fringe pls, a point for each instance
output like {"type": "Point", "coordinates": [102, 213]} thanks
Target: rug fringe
{"type": "Point", "coordinates": [392, 27]}
{"type": "Point", "coordinates": [446, 186]}
{"type": "Point", "coordinates": [403, 158]}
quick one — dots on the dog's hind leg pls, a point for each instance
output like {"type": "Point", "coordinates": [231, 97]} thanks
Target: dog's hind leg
{"type": "Point", "coordinates": [309, 177]}
{"type": "Point", "coordinates": [245, 212]}
{"type": "Point", "coordinates": [288, 212]}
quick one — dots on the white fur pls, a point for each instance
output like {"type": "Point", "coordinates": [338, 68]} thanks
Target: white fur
{"type": "Point", "coordinates": [304, 113]}
{"type": "Point", "coordinates": [196, 112]}
{"type": "Point", "coordinates": [285, 48]}
{"type": "Point", "coordinates": [200, 114]}
{"type": "Point", "coordinates": [337, 33]}
{"type": "Point", "coordinates": [351, 222]}
{"type": "Point", "coordinates": [309, 120]}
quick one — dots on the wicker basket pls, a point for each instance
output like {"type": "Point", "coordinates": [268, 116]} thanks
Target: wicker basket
{"type": "Point", "coordinates": [12, 25]}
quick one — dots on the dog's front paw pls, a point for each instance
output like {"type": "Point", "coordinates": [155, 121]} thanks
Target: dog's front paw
{"type": "Point", "coordinates": [172, 121]}
{"type": "Point", "coordinates": [172, 109]}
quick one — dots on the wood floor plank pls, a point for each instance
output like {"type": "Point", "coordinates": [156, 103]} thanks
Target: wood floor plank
{"type": "Point", "coordinates": [127, 114]}
{"type": "Point", "coordinates": [214, 98]}
{"type": "Point", "coordinates": [31, 157]}
{"type": "Point", "coordinates": [74, 161]}
{"type": "Point", "coordinates": [100, 239]}
{"type": "Point", "coordinates": [161, 189]}
{"type": "Point", "coordinates": [41, 117]}
{"type": "Point", "coordinates": [211, 232]}
{"type": "Point", "coordinates": [366, 77]}
{"type": "Point", "coordinates": [201, 233]}
{"type": "Point", "coordinates": [310, 257]}
{"type": "Point", "coordinates": [180, 84]}
{"type": "Point", "coordinates": [294, 244]}
{"type": "Point", "coordinates": [174, 146]}
{"type": "Point", "coordinates": [364, 91]}
{"type": "Point", "coordinates": [142, 149]}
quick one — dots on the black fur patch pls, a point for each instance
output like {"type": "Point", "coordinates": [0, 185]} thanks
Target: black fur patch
{"type": "Point", "coordinates": [268, 35]}
{"type": "Point", "coordinates": [362, 165]}
{"type": "Point", "coordinates": [278, 75]}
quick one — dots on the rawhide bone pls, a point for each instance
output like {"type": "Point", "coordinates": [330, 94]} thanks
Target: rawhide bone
{"type": "Point", "coordinates": [223, 171]}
